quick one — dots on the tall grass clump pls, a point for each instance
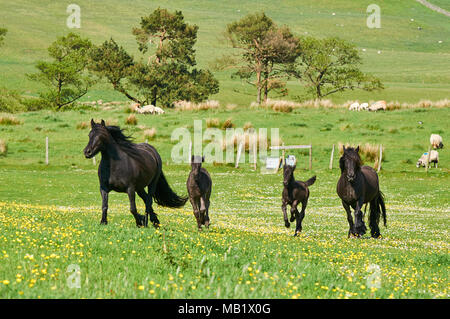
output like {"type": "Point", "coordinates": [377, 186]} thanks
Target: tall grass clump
{"type": "Point", "coordinates": [131, 120]}
{"type": "Point", "coordinates": [3, 148]}
{"type": "Point", "coordinates": [192, 106]}
{"type": "Point", "coordinates": [150, 133]}
{"type": "Point", "coordinates": [368, 152]}
{"type": "Point", "coordinates": [9, 120]}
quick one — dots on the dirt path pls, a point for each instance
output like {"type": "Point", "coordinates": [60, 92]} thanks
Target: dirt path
{"type": "Point", "coordinates": [434, 7]}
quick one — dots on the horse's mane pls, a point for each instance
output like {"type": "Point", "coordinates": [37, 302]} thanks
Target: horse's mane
{"type": "Point", "coordinates": [351, 153]}
{"type": "Point", "coordinates": [124, 142]}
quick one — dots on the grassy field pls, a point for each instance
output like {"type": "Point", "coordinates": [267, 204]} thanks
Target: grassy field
{"type": "Point", "coordinates": [49, 215]}
{"type": "Point", "coordinates": [412, 63]}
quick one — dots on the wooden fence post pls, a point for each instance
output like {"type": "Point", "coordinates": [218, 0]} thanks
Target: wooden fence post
{"type": "Point", "coordinates": [310, 156]}
{"type": "Point", "coordinates": [46, 150]}
{"type": "Point", "coordinates": [381, 158]}
{"type": "Point", "coordinates": [331, 158]}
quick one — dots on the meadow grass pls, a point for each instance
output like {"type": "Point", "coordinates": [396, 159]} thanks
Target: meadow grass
{"type": "Point", "coordinates": [49, 215]}
{"type": "Point", "coordinates": [411, 62]}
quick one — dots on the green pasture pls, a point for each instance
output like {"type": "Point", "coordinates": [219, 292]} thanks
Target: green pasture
{"type": "Point", "coordinates": [49, 215]}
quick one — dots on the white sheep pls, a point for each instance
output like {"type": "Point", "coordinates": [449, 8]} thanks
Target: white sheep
{"type": "Point", "coordinates": [146, 109]}
{"type": "Point", "coordinates": [354, 107]}
{"type": "Point", "coordinates": [434, 158]}
{"type": "Point", "coordinates": [159, 110]}
{"type": "Point", "coordinates": [380, 105]}
{"type": "Point", "coordinates": [436, 141]}
{"type": "Point", "coordinates": [363, 107]}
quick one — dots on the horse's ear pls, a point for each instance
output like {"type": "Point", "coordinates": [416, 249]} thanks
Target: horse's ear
{"type": "Point", "coordinates": [343, 148]}
{"type": "Point", "coordinates": [92, 123]}
{"type": "Point", "coordinates": [103, 123]}
{"type": "Point", "coordinates": [357, 149]}
{"type": "Point", "coordinates": [203, 159]}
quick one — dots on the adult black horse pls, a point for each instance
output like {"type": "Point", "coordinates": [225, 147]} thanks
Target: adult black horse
{"type": "Point", "coordinates": [129, 168]}
{"type": "Point", "coordinates": [356, 186]}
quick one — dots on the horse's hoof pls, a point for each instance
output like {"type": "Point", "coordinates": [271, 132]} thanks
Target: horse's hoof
{"type": "Point", "coordinates": [296, 234]}
{"type": "Point", "coordinates": [287, 224]}
{"type": "Point", "coordinates": [103, 222]}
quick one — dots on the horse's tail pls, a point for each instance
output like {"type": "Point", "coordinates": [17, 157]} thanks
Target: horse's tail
{"type": "Point", "coordinates": [311, 181]}
{"type": "Point", "coordinates": [165, 196]}
{"type": "Point", "coordinates": [383, 207]}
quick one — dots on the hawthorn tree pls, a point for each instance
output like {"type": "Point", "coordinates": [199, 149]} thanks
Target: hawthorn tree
{"type": "Point", "coordinates": [331, 65]}
{"type": "Point", "coordinates": [65, 77]}
{"type": "Point", "coordinates": [262, 51]}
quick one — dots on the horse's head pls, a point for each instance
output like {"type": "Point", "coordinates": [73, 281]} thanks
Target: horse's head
{"type": "Point", "coordinates": [288, 172]}
{"type": "Point", "coordinates": [350, 163]}
{"type": "Point", "coordinates": [196, 163]}
{"type": "Point", "coordinates": [97, 139]}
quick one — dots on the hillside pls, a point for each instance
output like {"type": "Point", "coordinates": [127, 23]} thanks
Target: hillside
{"type": "Point", "coordinates": [412, 63]}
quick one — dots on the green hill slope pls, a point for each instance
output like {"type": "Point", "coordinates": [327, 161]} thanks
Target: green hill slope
{"type": "Point", "coordinates": [410, 61]}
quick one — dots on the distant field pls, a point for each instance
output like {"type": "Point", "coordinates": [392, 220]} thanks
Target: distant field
{"type": "Point", "coordinates": [49, 215]}
{"type": "Point", "coordinates": [412, 64]}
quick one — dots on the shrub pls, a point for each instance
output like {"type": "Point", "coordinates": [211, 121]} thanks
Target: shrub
{"type": "Point", "coordinates": [83, 125]}
{"type": "Point", "coordinates": [150, 133]}
{"type": "Point", "coordinates": [9, 120]}
{"type": "Point", "coordinates": [191, 106]}
{"type": "Point", "coordinates": [3, 148]}
{"type": "Point", "coordinates": [131, 120]}
{"type": "Point", "coordinates": [10, 101]}
{"type": "Point", "coordinates": [227, 124]}
{"type": "Point", "coordinates": [214, 122]}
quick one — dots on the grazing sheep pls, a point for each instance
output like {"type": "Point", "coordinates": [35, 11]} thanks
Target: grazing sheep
{"type": "Point", "coordinates": [363, 107]}
{"type": "Point", "coordinates": [380, 105]}
{"type": "Point", "coordinates": [354, 107]}
{"type": "Point", "coordinates": [434, 158]}
{"type": "Point", "coordinates": [436, 141]}
{"type": "Point", "coordinates": [159, 110]}
{"type": "Point", "coordinates": [146, 109]}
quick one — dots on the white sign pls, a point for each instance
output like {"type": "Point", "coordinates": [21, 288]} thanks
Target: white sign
{"type": "Point", "coordinates": [272, 162]}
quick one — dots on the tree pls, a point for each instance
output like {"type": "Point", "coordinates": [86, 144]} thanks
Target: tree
{"type": "Point", "coordinates": [65, 77]}
{"type": "Point", "coordinates": [263, 49]}
{"type": "Point", "coordinates": [331, 65]}
{"type": "Point", "coordinates": [168, 74]}
{"type": "Point", "coordinates": [172, 60]}
{"type": "Point", "coordinates": [111, 61]}
{"type": "Point", "coordinates": [3, 32]}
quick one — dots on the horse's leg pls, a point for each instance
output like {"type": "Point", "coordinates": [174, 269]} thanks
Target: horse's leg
{"type": "Point", "coordinates": [151, 193]}
{"type": "Point", "coordinates": [207, 212]}
{"type": "Point", "coordinates": [359, 221]}
{"type": "Point", "coordinates": [283, 208]}
{"type": "Point", "coordinates": [374, 218]}
{"type": "Point", "coordinates": [300, 216]}
{"type": "Point", "coordinates": [203, 209]}
{"type": "Point", "coordinates": [104, 194]}
{"type": "Point", "coordinates": [148, 204]}
{"type": "Point", "coordinates": [351, 230]}
{"type": "Point", "coordinates": [196, 207]}
{"type": "Point", "coordinates": [132, 197]}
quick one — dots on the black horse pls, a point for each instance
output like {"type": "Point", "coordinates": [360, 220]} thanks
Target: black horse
{"type": "Point", "coordinates": [357, 186]}
{"type": "Point", "coordinates": [294, 193]}
{"type": "Point", "coordinates": [126, 167]}
{"type": "Point", "coordinates": [199, 185]}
